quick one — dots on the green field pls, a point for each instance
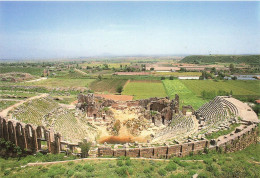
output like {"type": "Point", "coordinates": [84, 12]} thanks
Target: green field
{"type": "Point", "coordinates": [6, 104]}
{"type": "Point", "coordinates": [59, 82]}
{"type": "Point", "coordinates": [187, 97]}
{"type": "Point", "coordinates": [144, 89]}
{"type": "Point", "coordinates": [38, 71]}
{"type": "Point", "coordinates": [238, 87]}
{"type": "Point", "coordinates": [107, 85]}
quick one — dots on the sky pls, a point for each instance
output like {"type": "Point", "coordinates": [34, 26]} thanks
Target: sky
{"type": "Point", "coordinates": [82, 29]}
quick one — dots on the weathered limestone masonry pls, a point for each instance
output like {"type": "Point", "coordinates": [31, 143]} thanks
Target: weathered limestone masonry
{"type": "Point", "coordinates": [33, 139]}
{"type": "Point", "coordinates": [242, 137]}
{"type": "Point", "coordinates": [159, 110]}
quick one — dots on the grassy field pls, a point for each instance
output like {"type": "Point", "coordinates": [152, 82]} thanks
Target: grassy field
{"type": "Point", "coordinates": [238, 87]}
{"type": "Point", "coordinates": [187, 97]}
{"type": "Point", "coordinates": [107, 85]}
{"type": "Point", "coordinates": [6, 104]}
{"type": "Point", "coordinates": [145, 89]}
{"type": "Point", "coordinates": [38, 71]}
{"type": "Point", "coordinates": [239, 164]}
{"type": "Point", "coordinates": [59, 82]}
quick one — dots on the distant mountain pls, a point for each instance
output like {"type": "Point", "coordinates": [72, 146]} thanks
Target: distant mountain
{"type": "Point", "coordinates": [248, 59]}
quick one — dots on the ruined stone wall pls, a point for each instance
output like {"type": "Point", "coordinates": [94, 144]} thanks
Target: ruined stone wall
{"type": "Point", "coordinates": [162, 108]}
{"type": "Point", "coordinates": [230, 143]}
{"type": "Point", "coordinates": [155, 152]}
{"type": "Point", "coordinates": [34, 139]}
{"type": "Point", "coordinates": [31, 138]}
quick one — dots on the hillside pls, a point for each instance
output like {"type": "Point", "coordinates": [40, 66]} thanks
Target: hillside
{"type": "Point", "coordinates": [248, 59]}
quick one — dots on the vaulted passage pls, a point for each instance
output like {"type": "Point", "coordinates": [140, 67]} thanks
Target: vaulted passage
{"type": "Point", "coordinates": [163, 120]}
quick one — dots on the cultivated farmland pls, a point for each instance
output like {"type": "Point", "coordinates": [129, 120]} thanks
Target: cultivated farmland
{"type": "Point", "coordinates": [238, 87]}
{"type": "Point", "coordinates": [107, 85]}
{"type": "Point", "coordinates": [145, 89]}
{"type": "Point", "coordinates": [31, 70]}
{"type": "Point", "coordinates": [59, 82]}
{"type": "Point", "coordinates": [187, 97]}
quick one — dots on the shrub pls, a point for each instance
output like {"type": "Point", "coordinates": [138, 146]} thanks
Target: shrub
{"type": "Point", "coordinates": [119, 163]}
{"type": "Point", "coordinates": [88, 168]}
{"type": "Point", "coordinates": [206, 150]}
{"type": "Point", "coordinates": [192, 172]}
{"type": "Point", "coordinates": [147, 170]}
{"type": "Point", "coordinates": [151, 168]}
{"type": "Point", "coordinates": [79, 175]}
{"type": "Point", "coordinates": [204, 175]}
{"type": "Point", "coordinates": [71, 163]}
{"type": "Point", "coordinates": [208, 161]}
{"type": "Point", "coordinates": [171, 167]}
{"type": "Point", "coordinates": [124, 171]}
{"type": "Point", "coordinates": [128, 162]}
{"type": "Point", "coordinates": [119, 89]}
{"type": "Point", "coordinates": [79, 167]}
{"type": "Point", "coordinates": [179, 175]}
{"type": "Point", "coordinates": [162, 172]}
{"type": "Point", "coordinates": [70, 173]}
{"type": "Point", "coordinates": [7, 172]}
{"type": "Point", "coordinates": [162, 78]}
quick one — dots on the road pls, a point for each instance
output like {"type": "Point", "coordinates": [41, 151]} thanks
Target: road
{"type": "Point", "coordinates": [5, 111]}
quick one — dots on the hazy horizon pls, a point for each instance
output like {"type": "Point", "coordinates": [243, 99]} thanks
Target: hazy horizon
{"type": "Point", "coordinates": [45, 30]}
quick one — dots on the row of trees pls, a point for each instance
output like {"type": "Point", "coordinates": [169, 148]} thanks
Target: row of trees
{"type": "Point", "coordinates": [212, 94]}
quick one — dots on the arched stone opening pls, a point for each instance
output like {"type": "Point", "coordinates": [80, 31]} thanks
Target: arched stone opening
{"type": "Point", "coordinates": [153, 120]}
{"type": "Point", "coordinates": [20, 135]}
{"type": "Point", "coordinates": [163, 120]}
{"type": "Point", "coordinates": [11, 132]}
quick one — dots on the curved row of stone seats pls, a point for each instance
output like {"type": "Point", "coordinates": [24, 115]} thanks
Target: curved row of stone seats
{"type": "Point", "coordinates": [216, 108]}
{"type": "Point", "coordinates": [180, 124]}
{"type": "Point", "coordinates": [231, 106]}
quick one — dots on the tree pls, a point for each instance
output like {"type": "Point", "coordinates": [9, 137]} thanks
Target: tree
{"type": "Point", "coordinates": [162, 78]}
{"type": "Point", "coordinates": [152, 68]}
{"type": "Point", "coordinates": [234, 78]}
{"type": "Point", "coordinates": [119, 89]}
{"type": "Point", "coordinates": [171, 78]}
{"type": "Point", "coordinates": [232, 68]}
{"type": "Point", "coordinates": [85, 146]}
{"type": "Point", "coordinates": [213, 70]}
{"type": "Point", "coordinates": [231, 92]}
{"type": "Point", "coordinates": [99, 77]}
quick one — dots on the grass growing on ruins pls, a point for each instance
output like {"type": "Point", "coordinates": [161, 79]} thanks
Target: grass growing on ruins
{"type": "Point", "coordinates": [187, 97]}
{"type": "Point", "coordinates": [7, 94]}
{"type": "Point", "coordinates": [238, 87]}
{"type": "Point", "coordinates": [107, 85]}
{"type": "Point", "coordinates": [6, 104]}
{"type": "Point", "coordinates": [47, 112]}
{"type": "Point", "coordinates": [144, 89]}
{"type": "Point", "coordinates": [239, 164]}
{"type": "Point", "coordinates": [215, 135]}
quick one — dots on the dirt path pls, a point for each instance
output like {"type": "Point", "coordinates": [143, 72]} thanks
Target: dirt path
{"type": "Point", "coordinates": [36, 80]}
{"type": "Point", "coordinates": [81, 72]}
{"type": "Point", "coordinates": [5, 111]}
{"type": "Point", "coordinates": [9, 100]}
